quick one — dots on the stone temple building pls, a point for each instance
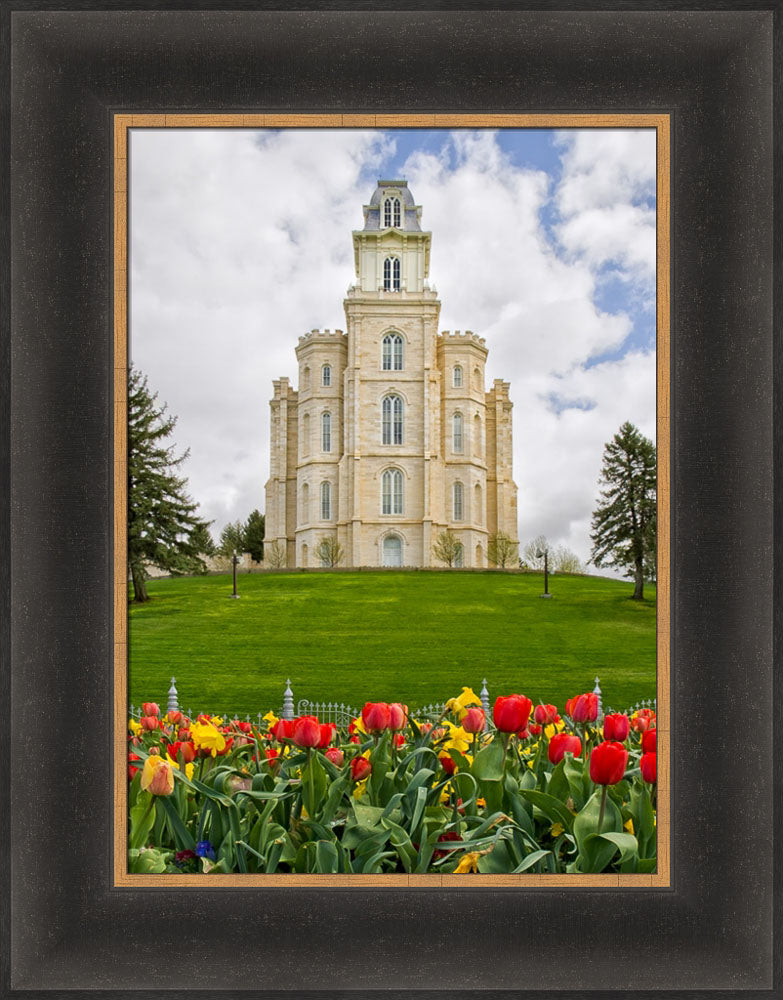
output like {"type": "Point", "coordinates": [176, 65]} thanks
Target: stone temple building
{"type": "Point", "coordinates": [391, 438]}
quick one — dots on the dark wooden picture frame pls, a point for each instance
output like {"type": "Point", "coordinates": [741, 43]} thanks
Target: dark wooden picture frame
{"type": "Point", "coordinates": [65, 926]}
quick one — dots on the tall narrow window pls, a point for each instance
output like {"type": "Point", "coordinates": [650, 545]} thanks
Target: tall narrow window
{"type": "Point", "coordinates": [457, 377]}
{"type": "Point", "coordinates": [305, 513]}
{"type": "Point", "coordinates": [456, 426]}
{"type": "Point", "coordinates": [391, 213]}
{"type": "Point", "coordinates": [391, 492]}
{"type": "Point", "coordinates": [306, 434]}
{"type": "Point", "coordinates": [477, 435]}
{"type": "Point", "coordinates": [458, 502]}
{"type": "Point", "coordinates": [326, 432]}
{"type": "Point", "coordinates": [306, 377]}
{"type": "Point", "coordinates": [392, 353]}
{"type": "Point", "coordinates": [391, 420]}
{"type": "Point", "coordinates": [326, 501]}
{"type": "Point", "coordinates": [459, 556]}
{"type": "Point", "coordinates": [326, 375]}
{"type": "Point", "coordinates": [477, 505]}
{"type": "Point", "coordinates": [391, 274]}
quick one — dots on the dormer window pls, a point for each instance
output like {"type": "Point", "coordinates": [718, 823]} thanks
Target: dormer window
{"type": "Point", "coordinates": [391, 274]}
{"type": "Point", "coordinates": [391, 213]}
{"type": "Point", "coordinates": [326, 375]}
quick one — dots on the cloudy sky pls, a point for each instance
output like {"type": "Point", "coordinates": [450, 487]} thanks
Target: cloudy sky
{"type": "Point", "coordinates": [543, 242]}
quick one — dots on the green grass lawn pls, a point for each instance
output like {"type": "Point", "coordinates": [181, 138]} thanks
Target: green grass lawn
{"type": "Point", "coordinates": [389, 636]}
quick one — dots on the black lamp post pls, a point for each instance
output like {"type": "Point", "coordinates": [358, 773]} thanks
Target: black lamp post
{"type": "Point", "coordinates": [235, 563]}
{"type": "Point", "coordinates": [545, 554]}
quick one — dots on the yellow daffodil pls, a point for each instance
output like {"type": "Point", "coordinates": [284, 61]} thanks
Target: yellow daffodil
{"type": "Point", "coordinates": [554, 727]}
{"type": "Point", "coordinates": [360, 789]}
{"type": "Point", "coordinates": [556, 829]}
{"type": "Point", "coordinates": [457, 739]}
{"type": "Point", "coordinates": [629, 826]}
{"type": "Point", "coordinates": [468, 863]}
{"type": "Point", "coordinates": [134, 726]}
{"type": "Point", "coordinates": [157, 776]}
{"type": "Point", "coordinates": [358, 725]}
{"type": "Point", "coordinates": [461, 704]}
{"type": "Point", "coordinates": [270, 719]}
{"type": "Point", "coordinates": [205, 736]}
{"type": "Point", "coordinates": [189, 769]}
{"type": "Point", "coordinates": [216, 720]}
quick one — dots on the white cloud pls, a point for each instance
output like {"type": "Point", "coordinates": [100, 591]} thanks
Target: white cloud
{"type": "Point", "coordinates": [241, 241]}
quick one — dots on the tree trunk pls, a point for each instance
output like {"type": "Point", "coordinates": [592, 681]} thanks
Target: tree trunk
{"type": "Point", "coordinates": [638, 590]}
{"type": "Point", "coordinates": [140, 594]}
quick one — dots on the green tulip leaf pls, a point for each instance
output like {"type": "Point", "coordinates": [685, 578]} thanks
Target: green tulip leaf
{"type": "Point", "coordinates": [552, 808]}
{"type": "Point", "coordinates": [533, 858]}
{"type": "Point", "coordinates": [142, 819]}
{"type": "Point", "coordinates": [314, 783]}
{"type": "Point", "coordinates": [183, 838]}
{"type": "Point", "coordinates": [488, 762]}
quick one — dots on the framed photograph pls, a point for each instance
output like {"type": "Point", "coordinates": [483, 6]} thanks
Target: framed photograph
{"type": "Point", "coordinates": [119, 124]}
{"type": "Point", "coordinates": [383, 456]}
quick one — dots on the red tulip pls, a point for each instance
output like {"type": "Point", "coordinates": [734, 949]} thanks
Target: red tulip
{"type": "Point", "coordinates": [307, 732]}
{"type": "Point", "coordinates": [650, 741]}
{"type": "Point", "coordinates": [474, 720]}
{"type": "Point", "coordinates": [583, 707]}
{"type": "Point", "coordinates": [174, 718]}
{"type": "Point", "coordinates": [561, 744]}
{"type": "Point", "coordinates": [360, 768]}
{"type": "Point", "coordinates": [183, 734]}
{"type": "Point", "coordinates": [545, 715]}
{"type": "Point", "coordinates": [425, 728]}
{"type": "Point", "coordinates": [187, 750]}
{"type": "Point", "coordinates": [616, 727]}
{"type": "Point", "coordinates": [534, 730]}
{"type": "Point", "coordinates": [607, 763]}
{"type": "Point", "coordinates": [511, 714]}
{"type": "Point", "coordinates": [398, 716]}
{"type": "Point", "coordinates": [150, 708]}
{"type": "Point", "coordinates": [376, 716]}
{"type": "Point", "coordinates": [649, 767]}
{"type": "Point", "coordinates": [448, 764]}
{"type": "Point", "coordinates": [272, 753]}
{"type": "Point", "coordinates": [326, 733]}
{"type": "Point", "coordinates": [283, 729]}
{"type": "Point", "coordinates": [335, 755]}
{"type": "Point", "coordinates": [150, 722]}
{"type": "Point", "coordinates": [131, 769]}
{"type": "Point", "coordinates": [244, 727]}
{"type": "Point", "coordinates": [643, 719]}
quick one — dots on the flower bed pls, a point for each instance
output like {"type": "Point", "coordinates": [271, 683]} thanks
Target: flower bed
{"type": "Point", "coordinates": [528, 791]}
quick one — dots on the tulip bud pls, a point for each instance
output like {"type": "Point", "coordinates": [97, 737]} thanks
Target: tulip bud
{"type": "Point", "coordinates": [561, 744]}
{"type": "Point", "coordinates": [648, 764]}
{"type": "Point", "coordinates": [583, 708]}
{"type": "Point", "coordinates": [607, 763]}
{"type": "Point", "coordinates": [360, 768]}
{"type": "Point", "coordinates": [534, 730]}
{"type": "Point", "coordinates": [376, 716]}
{"type": "Point", "coordinates": [545, 715]}
{"type": "Point", "coordinates": [616, 727]}
{"type": "Point", "coordinates": [398, 716]}
{"type": "Point", "coordinates": [650, 741]}
{"type": "Point", "coordinates": [447, 763]}
{"type": "Point", "coordinates": [398, 740]}
{"type": "Point", "coordinates": [283, 730]}
{"type": "Point", "coordinates": [150, 722]}
{"type": "Point", "coordinates": [307, 732]}
{"type": "Point", "coordinates": [473, 721]}
{"type": "Point", "coordinates": [511, 713]}
{"type": "Point", "coordinates": [174, 718]}
{"type": "Point", "coordinates": [157, 776]}
{"type": "Point", "coordinates": [150, 708]}
{"type": "Point", "coordinates": [335, 755]}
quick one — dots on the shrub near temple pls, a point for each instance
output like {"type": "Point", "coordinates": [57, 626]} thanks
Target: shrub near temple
{"type": "Point", "coordinates": [394, 794]}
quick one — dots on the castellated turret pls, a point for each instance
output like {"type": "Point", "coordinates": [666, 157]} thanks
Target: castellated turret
{"type": "Point", "coordinates": [392, 438]}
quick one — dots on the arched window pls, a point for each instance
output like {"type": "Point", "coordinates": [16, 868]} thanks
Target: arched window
{"type": "Point", "coordinates": [456, 427]}
{"type": "Point", "coordinates": [479, 556]}
{"type": "Point", "coordinates": [305, 512]}
{"type": "Point", "coordinates": [476, 379]}
{"type": "Point", "coordinates": [326, 501]}
{"type": "Point", "coordinates": [392, 550]}
{"type": "Point", "coordinates": [391, 360]}
{"type": "Point", "coordinates": [391, 274]}
{"type": "Point", "coordinates": [306, 434]}
{"type": "Point", "coordinates": [459, 556]}
{"type": "Point", "coordinates": [391, 213]}
{"type": "Point", "coordinates": [326, 431]}
{"type": "Point", "coordinates": [459, 505]}
{"type": "Point", "coordinates": [477, 435]}
{"type": "Point", "coordinates": [391, 492]}
{"type": "Point", "coordinates": [391, 420]}
{"type": "Point", "coordinates": [304, 554]}
{"type": "Point", "coordinates": [326, 375]}
{"type": "Point", "coordinates": [306, 377]}
{"type": "Point", "coordinates": [477, 505]}
{"type": "Point", "coordinates": [457, 376]}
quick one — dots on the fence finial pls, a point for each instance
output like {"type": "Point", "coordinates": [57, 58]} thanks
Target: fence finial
{"type": "Point", "coordinates": [172, 705]}
{"type": "Point", "coordinates": [597, 692]}
{"type": "Point", "coordinates": [484, 695]}
{"type": "Point", "coordinates": [288, 701]}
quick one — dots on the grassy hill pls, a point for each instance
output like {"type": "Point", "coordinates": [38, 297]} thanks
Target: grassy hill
{"type": "Point", "coordinates": [389, 636]}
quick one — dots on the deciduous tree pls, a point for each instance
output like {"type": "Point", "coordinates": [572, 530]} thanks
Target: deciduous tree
{"type": "Point", "coordinates": [501, 549]}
